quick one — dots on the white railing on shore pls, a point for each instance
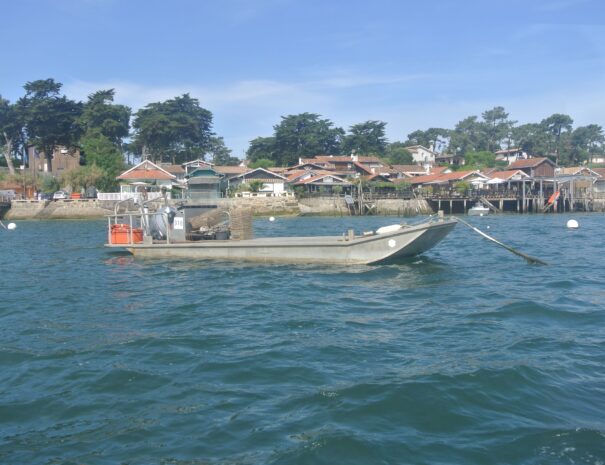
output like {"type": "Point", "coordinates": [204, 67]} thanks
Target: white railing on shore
{"type": "Point", "coordinates": [264, 194]}
{"type": "Point", "coordinates": [129, 195]}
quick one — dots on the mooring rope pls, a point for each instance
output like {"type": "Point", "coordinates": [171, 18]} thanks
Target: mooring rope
{"type": "Point", "coordinates": [530, 259]}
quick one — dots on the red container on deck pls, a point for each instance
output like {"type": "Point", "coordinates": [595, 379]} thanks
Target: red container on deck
{"type": "Point", "coordinates": [120, 234]}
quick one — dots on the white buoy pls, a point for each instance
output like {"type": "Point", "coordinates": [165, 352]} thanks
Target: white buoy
{"type": "Point", "coordinates": [11, 226]}
{"type": "Point", "coordinates": [271, 218]}
{"type": "Point", "coordinates": [571, 224]}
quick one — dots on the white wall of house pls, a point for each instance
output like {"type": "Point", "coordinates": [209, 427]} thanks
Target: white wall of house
{"type": "Point", "coordinates": [421, 155]}
{"type": "Point", "coordinates": [275, 187]}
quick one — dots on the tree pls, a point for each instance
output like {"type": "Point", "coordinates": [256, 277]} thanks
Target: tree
{"type": "Point", "coordinates": [397, 154]}
{"type": "Point", "coordinates": [468, 136]}
{"type": "Point", "coordinates": [261, 147]}
{"type": "Point", "coordinates": [262, 163]}
{"type": "Point", "coordinates": [83, 177]}
{"type": "Point", "coordinates": [482, 159]}
{"type": "Point", "coordinates": [496, 126]}
{"type": "Point", "coordinates": [586, 141]}
{"type": "Point", "coordinates": [418, 137]}
{"type": "Point", "coordinates": [556, 125]}
{"type": "Point", "coordinates": [305, 134]}
{"type": "Point", "coordinates": [531, 138]}
{"type": "Point", "coordinates": [256, 185]}
{"type": "Point", "coordinates": [10, 130]}
{"type": "Point", "coordinates": [366, 138]}
{"type": "Point", "coordinates": [50, 119]}
{"type": "Point", "coordinates": [101, 114]}
{"type": "Point", "coordinates": [177, 129]}
{"type": "Point", "coordinates": [220, 154]}
{"type": "Point", "coordinates": [99, 151]}
{"type": "Point", "coordinates": [433, 138]}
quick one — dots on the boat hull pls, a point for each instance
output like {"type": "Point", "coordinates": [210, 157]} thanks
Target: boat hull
{"type": "Point", "coordinates": [377, 248]}
{"type": "Point", "coordinates": [478, 211]}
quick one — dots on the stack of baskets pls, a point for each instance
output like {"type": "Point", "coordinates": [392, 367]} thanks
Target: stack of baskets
{"type": "Point", "coordinates": [241, 224]}
{"type": "Point", "coordinates": [208, 220]}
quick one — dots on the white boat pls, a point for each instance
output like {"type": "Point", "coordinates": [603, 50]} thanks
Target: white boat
{"type": "Point", "coordinates": [478, 210]}
{"type": "Point", "coordinates": [133, 233]}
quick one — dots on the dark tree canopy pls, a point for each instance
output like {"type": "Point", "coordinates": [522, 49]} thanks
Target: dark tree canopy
{"type": "Point", "coordinates": [111, 120]}
{"type": "Point", "coordinates": [556, 126]}
{"type": "Point", "coordinates": [397, 154]}
{"type": "Point", "coordinates": [497, 127]}
{"type": "Point", "coordinates": [50, 119]}
{"type": "Point", "coordinates": [10, 130]}
{"type": "Point", "coordinates": [305, 135]}
{"type": "Point", "coordinates": [432, 138]}
{"type": "Point", "coordinates": [261, 148]}
{"type": "Point", "coordinates": [178, 129]}
{"type": "Point", "coordinates": [366, 138]}
{"type": "Point", "coordinates": [220, 154]}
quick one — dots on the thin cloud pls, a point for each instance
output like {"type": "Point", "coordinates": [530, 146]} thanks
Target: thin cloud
{"type": "Point", "coordinates": [248, 109]}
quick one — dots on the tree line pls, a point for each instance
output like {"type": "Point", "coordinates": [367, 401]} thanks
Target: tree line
{"type": "Point", "coordinates": [179, 130]}
{"type": "Point", "coordinates": [176, 130]}
{"type": "Point", "coordinates": [475, 138]}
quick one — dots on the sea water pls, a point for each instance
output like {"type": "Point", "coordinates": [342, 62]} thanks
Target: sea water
{"type": "Point", "coordinates": [463, 355]}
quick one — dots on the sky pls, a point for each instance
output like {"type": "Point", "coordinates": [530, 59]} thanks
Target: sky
{"type": "Point", "coordinates": [412, 64]}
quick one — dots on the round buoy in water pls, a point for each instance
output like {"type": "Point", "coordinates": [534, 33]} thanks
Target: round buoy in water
{"type": "Point", "coordinates": [11, 226]}
{"type": "Point", "coordinates": [271, 218]}
{"type": "Point", "coordinates": [573, 224]}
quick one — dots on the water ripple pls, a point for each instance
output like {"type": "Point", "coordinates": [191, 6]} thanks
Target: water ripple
{"type": "Point", "coordinates": [464, 355]}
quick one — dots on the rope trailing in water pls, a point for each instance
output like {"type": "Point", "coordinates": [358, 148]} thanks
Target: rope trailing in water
{"type": "Point", "coordinates": [531, 260]}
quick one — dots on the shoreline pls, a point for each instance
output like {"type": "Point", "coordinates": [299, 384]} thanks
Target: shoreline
{"type": "Point", "coordinates": [77, 209]}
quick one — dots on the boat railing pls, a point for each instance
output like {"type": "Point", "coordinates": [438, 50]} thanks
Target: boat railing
{"type": "Point", "coordinates": [129, 228]}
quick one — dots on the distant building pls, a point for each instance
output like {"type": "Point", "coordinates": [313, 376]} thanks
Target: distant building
{"type": "Point", "coordinates": [63, 160]}
{"type": "Point", "coordinates": [144, 180]}
{"type": "Point", "coordinates": [205, 183]}
{"type": "Point", "coordinates": [273, 183]}
{"type": "Point", "coordinates": [511, 155]}
{"type": "Point", "coordinates": [421, 155]}
{"type": "Point", "coordinates": [450, 159]}
{"type": "Point", "coordinates": [323, 182]}
{"type": "Point", "coordinates": [191, 166]}
{"type": "Point", "coordinates": [535, 167]}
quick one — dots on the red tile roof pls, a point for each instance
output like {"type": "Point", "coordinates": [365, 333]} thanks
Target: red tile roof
{"type": "Point", "coordinates": [599, 171]}
{"type": "Point", "coordinates": [409, 168]}
{"type": "Point", "coordinates": [146, 174]}
{"type": "Point", "coordinates": [506, 174]}
{"type": "Point", "coordinates": [147, 170]}
{"type": "Point", "coordinates": [438, 169]}
{"type": "Point", "coordinates": [529, 163]}
{"type": "Point", "coordinates": [231, 169]}
{"type": "Point", "coordinates": [173, 169]}
{"type": "Point", "coordinates": [321, 176]}
{"type": "Point", "coordinates": [444, 177]}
